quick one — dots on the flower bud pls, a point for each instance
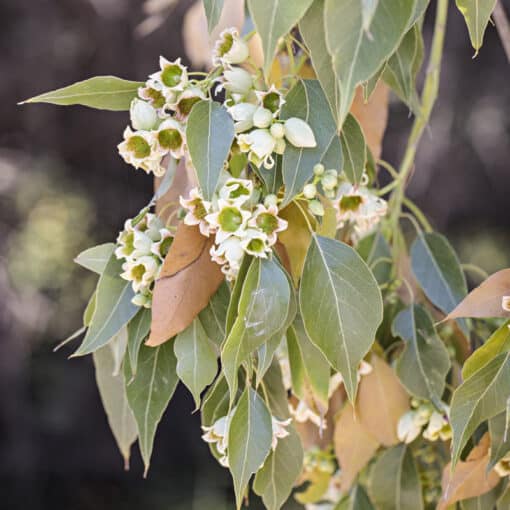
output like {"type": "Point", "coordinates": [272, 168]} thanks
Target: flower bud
{"type": "Point", "coordinates": [242, 113]}
{"type": "Point", "coordinates": [238, 81]}
{"type": "Point", "coordinates": [299, 133]}
{"type": "Point", "coordinates": [270, 200]}
{"type": "Point", "coordinates": [143, 115]}
{"type": "Point", "coordinates": [330, 193]}
{"type": "Point", "coordinates": [230, 48]}
{"type": "Point", "coordinates": [316, 207]}
{"type": "Point", "coordinates": [262, 118]}
{"type": "Point", "coordinates": [329, 182]}
{"type": "Point", "coordinates": [280, 145]}
{"type": "Point", "coordinates": [277, 130]}
{"type": "Point", "coordinates": [310, 190]}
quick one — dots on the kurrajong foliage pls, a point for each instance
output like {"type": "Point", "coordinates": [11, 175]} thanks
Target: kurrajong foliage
{"type": "Point", "coordinates": [270, 273]}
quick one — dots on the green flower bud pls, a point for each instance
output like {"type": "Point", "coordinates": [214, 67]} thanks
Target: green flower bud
{"type": "Point", "coordinates": [310, 190]}
{"type": "Point", "coordinates": [316, 207]}
{"type": "Point", "coordinates": [318, 169]}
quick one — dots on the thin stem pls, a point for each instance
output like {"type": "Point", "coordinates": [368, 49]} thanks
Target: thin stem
{"type": "Point", "coordinates": [418, 214]}
{"type": "Point", "coordinates": [473, 268]}
{"type": "Point", "coordinates": [428, 99]}
{"type": "Point", "coordinates": [305, 216]}
{"type": "Point", "coordinates": [503, 27]}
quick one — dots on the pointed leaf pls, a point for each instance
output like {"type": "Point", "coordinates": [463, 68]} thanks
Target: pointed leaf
{"type": "Point", "coordinates": [274, 19]}
{"type": "Point", "coordinates": [101, 92]}
{"type": "Point", "coordinates": [215, 402]}
{"type": "Point", "coordinates": [476, 14]}
{"type": "Point", "coordinates": [138, 330]}
{"type": "Point", "coordinates": [487, 500]}
{"type": "Point", "coordinates": [113, 395]}
{"type": "Point", "coordinates": [395, 482]}
{"type": "Point", "coordinates": [341, 306]}
{"type": "Point", "coordinates": [95, 258]}
{"type": "Point", "coordinates": [209, 134]}
{"type": "Point", "coordinates": [196, 359]}
{"type": "Point", "coordinates": [150, 391]}
{"type": "Point", "coordinates": [249, 440]}
{"type": "Point", "coordinates": [113, 310]}
{"type": "Point", "coordinates": [354, 149]}
{"type": "Point", "coordinates": [280, 471]}
{"type": "Point", "coordinates": [307, 101]}
{"type": "Point", "coordinates": [213, 10]}
{"type": "Point", "coordinates": [424, 364]}
{"type": "Point", "coordinates": [213, 317]}
{"type": "Point", "coordinates": [500, 436]}
{"type": "Point", "coordinates": [356, 500]}
{"type": "Point", "coordinates": [481, 397]}
{"type": "Point", "coordinates": [376, 252]}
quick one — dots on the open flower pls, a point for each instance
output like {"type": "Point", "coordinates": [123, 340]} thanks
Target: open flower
{"type": "Point", "coordinates": [141, 272]}
{"type": "Point", "coordinates": [255, 243]}
{"type": "Point", "coordinates": [197, 209]}
{"type": "Point", "coordinates": [217, 434]}
{"type": "Point", "coordinates": [260, 145]}
{"type": "Point", "coordinates": [230, 252]}
{"type": "Point", "coordinates": [279, 430]}
{"type": "Point", "coordinates": [186, 100]}
{"type": "Point", "coordinates": [160, 248]}
{"type": "Point", "coordinates": [153, 95]}
{"type": "Point", "coordinates": [170, 138]}
{"type": "Point", "coordinates": [236, 191]}
{"type": "Point", "coordinates": [238, 81]}
{"type": "Point", "coordinates": [230, 49]}
{"type": "Point", "coordinates": [438, 428]}
{"type": "Point", "coordinates": [303, 413]}
{"type": "Point", "coordinates": [267, 221]}
{"type": "Point", "coordinates": [299, 133]}
{"type": "Point", "coordinates": [229, 220]}
{"type": "Point", "coordinates": [409, 427]}
{"type": "Point", "coordinates": [271, 100]}
{"type": "Point", "coordinates": [502, 468]}
{"type": "Point", "coordinates": [139, 149]}
{"type": "Point", "coordinates": [172, 77]}
{"type": "Point", "coordinates": [242, 113]}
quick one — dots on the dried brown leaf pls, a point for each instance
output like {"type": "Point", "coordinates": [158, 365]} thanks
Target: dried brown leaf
{"type": "Point", "coordinates": [485, 300]}
{"type": "Point", "coordinates": [470, 478]}
{"type": "Point", "coordinates": [381, 402]}
{"type": "Point", "coordinates": [187, 281]}
{"type": "Point", "coordinates": [354, 446]}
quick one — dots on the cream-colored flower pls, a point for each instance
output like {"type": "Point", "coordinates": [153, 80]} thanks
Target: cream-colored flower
{"type": "Point", "coordinates": [266, 219]}
{"type": "Point", "coordinates": [141, 272]}
{"type": "Point", "coordinates": [505, 303]}
{"type": "Point", "coordinates": [502, 468]}
{"type": "Point", "coordinates": [139, 149]}
{"type": "Point", "coordinates": [237, 81]}
{"type": "Point", "coordinates": [255, 243]}
{"type": "Point", "coordinates": [143, 115]}
{"type": "Point", "coordinates": [153, 95]}
{"type": "Point", "coordinates": [409, 427]}
{"type": "Point", "coordinates": [242, 113]}
{"type": "Point", "coordinates": [217, 434]}
{"type": "Point", "coordinates": [260, 146]}
{"type": "Point", "coordinates": [364, 368]}
{"type": "Point", "coordinates": [271, 99]}
{"type": "Point", "coordinates": [279, 430]}
{"type": "Point", "coordinates": [170, 138]}
{"type": "Point", "coordinates": [262, 118]}
{"type": "Point", "coordinates": [229, 220]}
{"type": "Point", "coordinates": [172, 77]}
{"type": "Point", "coordinates": [143, 299]}
{"type": "Point", "coordinates": [230, 49]}
{"type": "Point", "coordinates": [230, 252]}
{"type": "Point", "coordinates": [185, 102]}
{"type": "Point", "coordinates": [303, 413]}
{"type": "Point", "coordinates": [236, 191]}
{"type": "Point", "coordinates": [438, 428]}
{"type": "Point", "coordinates": [196, 211]}
{"type": "Point", "coordinates": [160, 248]}
{"type": "Point", "coordinates": [299, 133]}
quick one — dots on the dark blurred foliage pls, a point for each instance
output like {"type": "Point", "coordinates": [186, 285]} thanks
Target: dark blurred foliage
{"type": "Point", "coordinates": [63, 188]}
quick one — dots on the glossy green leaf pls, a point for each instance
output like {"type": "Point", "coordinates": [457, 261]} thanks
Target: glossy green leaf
{"type": "Point", "coordinates": [402, 68]}
{"type": "Point", "coordinates": [357, 500]}
{"type": "Point", "coordinates": [280, 471]}
{"type": "Point", "coordinates": [213, 10]}
{"type": "Point", "coordinates": [138, 330]}
{"type": "Point", "coordinates": [376, 252]}
{"type": "Point", "coordinates": [424, 364]}
{"type": "Point", "coordinates": [307, 101]}
{"type": "Point", "coordinates": [113, 395]}
{"type": "Point", "coordinates": [357, 55]}
{"type": "Point", "coordinates": [114, 308]}
{"type": "Point", "coordinates": [274, 19]}
{"type": "Point", "coordinates": [249, 440]}
{"type": "Point", "coordinates": [476, 14]}
{"type": "Point", "coordinates": [101, 92]}
{"type": "Point", "coordinates": [264, 300]}
{"type": "Point", "coordinates": [498, 342]}
{"type": "Point", "coordinates": [341, 306]}
{"type": "Point", "coordinates": [438, 271]}
{"type": "Point", "coordinates": [481, 397]}
{"type": "Point", "coordinates": [500, 436]}
{"type": "Point", "coordinates": [196, 359]}
{"type": "Point", "coordinates": [213, 317]}
{"type": "Point", "coordinates": [395, 482]}
{"type": "Point", "coordinates": [209, 134]}
{"type": "Point", "coordinates": [354, 149]}
{"type": "Point", "coordinates": [95, 258]}
{"type": "Point", "coordinates": [150, 391]}
{"type": "Point", "coordinates": [312, 31]}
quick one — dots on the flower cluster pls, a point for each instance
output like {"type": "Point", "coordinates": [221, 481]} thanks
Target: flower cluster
{"type": "Point", "coordinates": [423, 414]}
{"type": "Point", "coordinates": [158, 118]}
{"type": "Point", "coordinates": [143, 245]}
{"type": "Point", "coordinates": [238, 223]}
{"type": "Point", "coordinates": [217, 434]}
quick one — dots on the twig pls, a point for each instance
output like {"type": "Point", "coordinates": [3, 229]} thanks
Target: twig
{"type": "Point", "coordinates": [503, 27]}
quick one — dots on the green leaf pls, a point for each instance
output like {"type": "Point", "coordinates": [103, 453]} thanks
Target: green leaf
{"type": "Point", "coordinates": [354, 149]}
{"type": "Point", "coordinates": [368, 8]}
{"type": "Point", "coordinates": [196, 359]}
{"type": "Point", "coordinates": [271, 178]}
{"type": "Point", "coordinates": [113, 310]}
{"type": "Point", "coordinates": [419, 10]}
{"type": "Point", "coordinates": [376, 252]}
{"type": "Point", "coordinates": [138, 330]}
{"type": "Point", "coordinates": [274, 19]}
{"type": "Point", "coordinates": [280, 471]}
{"type": "Point", "coordinates": [356, 500]}
{"type": "Point", "coordinates": [113, 395]}
{"type": "Point", "coordinates": [504, 500]}
{"type": "Point", "coordinates": [403, 66]}
{"type": "Point", "coordinates": [341, 306]}
{"type": "Point", "coordinates": [424, 364]}
{"type": "Point", "coordinates": [209, 134]}
{"type": "Point", "coordinates": [101, 92]}
{"type": "Point", "coordinates": [476, 14]}
{"type": "Point", "coordinates": [274, 392]}
{"type": "Point", "coordinates": [213, 10]}
{"type": "Point", "coordinates": [307, 101]}
{"type": "Point", "coordinates": [481, 397]}
{"type": "Point", "coordinates": [249, 440]}
{"type": "Point", "coordinates": [485, 501]}
{"type": "Point", "coordinates": [395, 482]}
{"type": "Point", "coordinates": [498, 342]}
{"type": "Point", "coordinates": [233, 306]}
{"type": "Point", "coordinates": [95, 258]}
{"type": "Point", "coordinates": [264, 300]}
{"type": "Point", "coordinates": [213, 317]}
{"type": "Point", "coordinates": [150, 391]}
{"type": "Point", "coordinates": [438, 271]}
{"type": "Point", "coordinates": [357, 55]}
{"type": "Point", "coordinates": [312, 31]}
{"type": "Point", "coordinates": [215, 402]}
{"type": "Point", "coordinates": [500, 436]}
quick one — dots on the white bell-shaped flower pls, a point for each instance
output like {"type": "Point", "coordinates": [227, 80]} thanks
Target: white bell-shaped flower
{"type": "Point", "coordinates": [299, 133]}
{"type": "Point", "coordinates": [230, 48]}
{"type": "Point", "coordinates": [143, 115]}
{"type": "Point", "coordinates": [242, 113]}
{"type": "Point", "coordinates": [238, 81]}
{"type": "Point", "coordinates": [409, 427]}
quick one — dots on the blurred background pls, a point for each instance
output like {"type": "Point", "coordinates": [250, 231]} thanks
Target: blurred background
{"type": "Point", "coordinates": [63, 188]}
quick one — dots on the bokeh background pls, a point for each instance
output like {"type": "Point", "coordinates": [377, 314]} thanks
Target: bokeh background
{"type": "Point", "coordinates": [64, 188]}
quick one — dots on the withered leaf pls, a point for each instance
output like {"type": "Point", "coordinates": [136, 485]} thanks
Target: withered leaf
{"type": "Point", "coordinates": [187, 281]}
